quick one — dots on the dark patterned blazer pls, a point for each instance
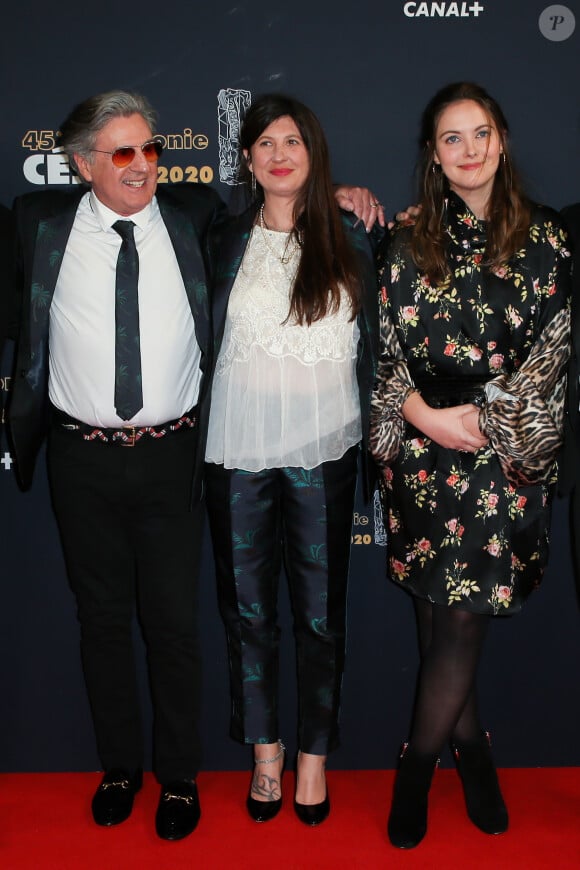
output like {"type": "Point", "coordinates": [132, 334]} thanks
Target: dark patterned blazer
{"type": "Point", "coordinates": [569, 481]}
{"type": "Point", "coordinates": [228, 246]}
{"type": "Point", "coordinates": [571, 455]}
{"type": "Point", "coordinates": [6, 291]}
{"type": "Point", "coordinates": [6, 275]}
{"type": "Point", "coordinates": [44, 221]}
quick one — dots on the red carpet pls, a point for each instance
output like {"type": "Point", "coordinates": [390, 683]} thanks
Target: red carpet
{"type": "Point", "coordinates": [45, 823]}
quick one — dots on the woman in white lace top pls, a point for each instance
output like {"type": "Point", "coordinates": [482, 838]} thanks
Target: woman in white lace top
{"type": "Point", "coordinates": [295, 315]}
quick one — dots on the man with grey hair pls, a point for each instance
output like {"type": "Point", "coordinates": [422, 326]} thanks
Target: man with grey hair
{"type": "Point", "coordinates": [113, 365]}
{"type": "Point", "coordinates": [118, 387]}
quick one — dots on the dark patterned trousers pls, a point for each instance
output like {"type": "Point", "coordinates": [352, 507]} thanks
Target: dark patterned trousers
{"type": "Point", "coordinates": [259, 520]}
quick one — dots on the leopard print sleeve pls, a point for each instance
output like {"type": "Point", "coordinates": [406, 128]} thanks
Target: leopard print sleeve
{"type": "Point", "coordinates": [392, 387]}
{"type": "Point", "coordinates": [524, 414]}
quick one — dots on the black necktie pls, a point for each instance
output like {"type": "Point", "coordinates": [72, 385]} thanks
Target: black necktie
{"type": "Point", "coordinates": [128, 389]}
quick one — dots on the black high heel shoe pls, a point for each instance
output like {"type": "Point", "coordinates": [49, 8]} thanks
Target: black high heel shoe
{"type": "Point", "coordinates": [312, 814]}
{"type": "Point", "coordinates": [264, 811]}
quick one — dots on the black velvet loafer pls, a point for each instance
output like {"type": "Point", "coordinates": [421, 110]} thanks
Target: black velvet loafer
{"type": "Point", "coordinates": [113, 800]}
{"type": "Point", "coordinates": [178, 811]}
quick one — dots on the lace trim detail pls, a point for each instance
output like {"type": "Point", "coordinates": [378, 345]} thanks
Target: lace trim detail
{"type": "Point", "coordinates": [258, 311]}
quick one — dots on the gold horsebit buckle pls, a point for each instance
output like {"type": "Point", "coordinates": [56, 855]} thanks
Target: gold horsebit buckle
{"type": "Point", "coordinates": [169, 796]}
{"type": "Point", "coordinates": [121, 783]}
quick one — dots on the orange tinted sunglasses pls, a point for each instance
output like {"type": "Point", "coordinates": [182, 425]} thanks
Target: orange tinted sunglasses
{"type": "Point", "coordinates": [123, 156]}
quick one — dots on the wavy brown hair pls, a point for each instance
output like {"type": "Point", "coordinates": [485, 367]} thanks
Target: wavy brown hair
{"type": "Point", "coordinates": [327, 263]}
{"type": "Point", "coordinates": [508, 210]}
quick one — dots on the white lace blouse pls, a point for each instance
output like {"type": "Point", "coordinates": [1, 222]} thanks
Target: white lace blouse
{"type": "Point", "coordinates": [283, 394]}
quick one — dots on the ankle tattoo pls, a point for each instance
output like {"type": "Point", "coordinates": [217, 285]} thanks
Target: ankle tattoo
{"type": "Point", "coordinates": [266, 787]}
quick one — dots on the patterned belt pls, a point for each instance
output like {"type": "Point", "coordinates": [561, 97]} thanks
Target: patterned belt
{"type": "Point", "coordinates": [125, 436]}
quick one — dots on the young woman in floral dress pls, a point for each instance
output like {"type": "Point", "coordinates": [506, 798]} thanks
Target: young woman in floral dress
{"type": "Point", "coordinates": [466, 423]}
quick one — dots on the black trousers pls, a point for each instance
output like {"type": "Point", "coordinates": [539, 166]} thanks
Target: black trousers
{"type": "Point", "coordinates": [257, 520]}
{"type": "Point", "coordinates": [131, 544]}
{"type": "Point", "coordinates": [575, 532]}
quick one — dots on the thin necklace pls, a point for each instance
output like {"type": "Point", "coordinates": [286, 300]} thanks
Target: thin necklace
{"type": "Point", "coordinates": [288, 252]}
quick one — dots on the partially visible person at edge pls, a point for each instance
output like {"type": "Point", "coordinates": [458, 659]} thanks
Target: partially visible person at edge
{"type": "Point", "coordinates": [295, 313]}
{"type": "Point", "coordinates": [6, 294]}
{"type": "Point", "coordinates": [124, 470]}
{"type": "Point", "coordinates": [569, 482]}
{"type": "Point", "coordinates": [466, 423]}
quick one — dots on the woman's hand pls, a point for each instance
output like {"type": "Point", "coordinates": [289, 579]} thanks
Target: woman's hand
{"type": "Point", "coordinates": [455, 428]}
{"type": "Point", "coordinates": [407, 217]}
{"type": "Point", "coordinates": [362, 202]}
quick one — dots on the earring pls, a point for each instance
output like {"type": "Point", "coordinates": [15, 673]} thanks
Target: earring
{"type": "Point", "coordinates": [253, 185]}
{"type": "Point", "coordinates": [503, 155]}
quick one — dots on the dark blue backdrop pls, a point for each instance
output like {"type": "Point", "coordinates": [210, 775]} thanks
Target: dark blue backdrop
{"type": "Point", "coordinates": [367, 69]}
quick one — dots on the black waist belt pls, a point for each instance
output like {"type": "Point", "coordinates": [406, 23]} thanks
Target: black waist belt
{"type": "Point", "coordinates": [125, 436]}
{"type": "Point", "coordinates": [448, 392]}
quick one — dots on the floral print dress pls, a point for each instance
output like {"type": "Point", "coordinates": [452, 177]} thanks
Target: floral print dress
{"type": "Point", "coordinates": [470, 530]}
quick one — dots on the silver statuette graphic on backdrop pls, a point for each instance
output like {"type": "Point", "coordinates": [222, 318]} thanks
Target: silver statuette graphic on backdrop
{"type": "Point", "coordinates": [232, 106]}
{"type": "Point", "coordinates": [380, 531]}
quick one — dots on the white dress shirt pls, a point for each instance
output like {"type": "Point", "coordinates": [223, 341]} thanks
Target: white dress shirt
{"type": "Point", "coordinates": [82, 322]}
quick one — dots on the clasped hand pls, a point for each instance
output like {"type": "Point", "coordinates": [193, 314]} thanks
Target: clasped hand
{"type": "Point", "coordinates": [457, 428]}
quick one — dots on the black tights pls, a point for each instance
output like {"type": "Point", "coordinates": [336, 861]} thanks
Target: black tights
{"type": "Point", "coordinates": [450, 643]}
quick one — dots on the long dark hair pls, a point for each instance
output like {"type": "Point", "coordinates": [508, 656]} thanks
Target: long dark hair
{"type": "Point", "coordinates": [508, 213]}
{"type": "Point", "coordinates": [327, 262]}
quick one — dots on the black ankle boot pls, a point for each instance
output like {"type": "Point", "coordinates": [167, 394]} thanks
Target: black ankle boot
{"type": "Point", "coordinates": [408, 817]}
{"type": "Point", "coordinates": [483, 798]}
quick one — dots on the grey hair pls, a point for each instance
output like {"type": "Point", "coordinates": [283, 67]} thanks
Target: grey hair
{"type": "Point", "coordinates": [79, 131]}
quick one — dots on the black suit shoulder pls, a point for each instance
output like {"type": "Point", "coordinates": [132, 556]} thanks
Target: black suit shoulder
{"type": "Point", "coordinates": [203, 204]}
{"type": "Point", "coordinates": [204, 207]}
{"type": "Point", "coordinates": [7, 255]}
{"type": "Point", "coordinates": [571, 215]}
{"type": "Point", "coordinates": [234, 224]}
{"type": "Point", "coordinates": [572, 212]}
{"type": "Point", "coordinates": [5, 220]}
{"type": "Point", "coordinates": [190, 195]}
{"type": "Point", "coordinates": [8, 298]}
{"type": "Point", "coordinates": [569, 460]}
{"type": "Point", "coordinates": [48, 201]}
{"type": "Point", "coordinates": [6, 237]}
{"type": "Point", "coordinates": [8, 302]}
{"type": "Point", "coordinates": [200, 201]}
{"type": "Point", "coordinates": [541, 212]}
